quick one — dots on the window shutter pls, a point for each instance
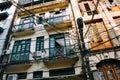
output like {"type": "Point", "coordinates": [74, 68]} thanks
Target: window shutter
{"type": "Point", "coordinates": [96, 33]}
{"type": "Point", "coordinates": [102, 31]}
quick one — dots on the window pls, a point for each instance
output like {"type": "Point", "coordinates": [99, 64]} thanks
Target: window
{"type": "Point", "coordinates": [22, 75]}
{"type": "Point", "coordinates": [40, 44]}
{"type": "Point", "coordinates": [21, 50]}
{"type": "Point", "coordinates": [25, 23]}
{"type": "Point", "coordinates": [37, 74]}
{"type": "Point", "coordinates": [5, 5]}
{"type": "Point", "coordinates": [3, 15]}
{"type": "Point", "coordinates": [16, 76]}
{"type": "Point", "coordinates": [118, 72]}
{"type": "Point", "coordinates": [57, 44]}
{"type": "Point", "coordinates": [26, 19]}
{"type": "Point", "coordinates": [102, 76]}
{"type": "Point", "coordinates": [60, 72]}
{"type": "Point", "coordinates": [57, 16]}
{"type": "Point", "coordinates": [110, 74]}
{"type": "Point", "coordinates": [87, 7]}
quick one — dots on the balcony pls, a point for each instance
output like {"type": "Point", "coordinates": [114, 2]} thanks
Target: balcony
{"type": "Point", "coordinates": [60, 55]}
{"type": "Point", "coordinates": [59, 23]}
{"type": "Point", "coordinates": [18, 62]}
{"type": "Point", "coordinates": [41, 7]}
{"type": "Point", "coordinates": [23, 29]}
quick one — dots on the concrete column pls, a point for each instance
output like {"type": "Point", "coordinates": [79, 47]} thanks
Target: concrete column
{"type": "Point", "coordinates": [46, 45]}
{"type": "Point", "coordinates": [29, 76]}
{"type": "Point", "coordinates": [32, 47]}
{"type": "Point", "coordinates": [46, 74]}
{"type": "Point", "coordinates": [78, 70]}
{"type": "Point", "coordinates": [76, 10]}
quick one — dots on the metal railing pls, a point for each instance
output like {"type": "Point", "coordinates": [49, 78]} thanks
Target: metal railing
{"type": "Point", "coordinates": [19, 57]}
{"type": "Point", "coordinates": [23, 27]}
{"type": "Point", "coordinates": [26, 3]}
{"type": "Point", "coordinates": [62, 52]}
{"type": "Point", "coordinates": [58, 19]}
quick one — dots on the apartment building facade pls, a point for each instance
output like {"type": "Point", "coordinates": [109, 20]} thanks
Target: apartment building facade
{"type": "Point", "coordinates": [101, 35]}
{"type": "Point", "coordinates": [44, 42]}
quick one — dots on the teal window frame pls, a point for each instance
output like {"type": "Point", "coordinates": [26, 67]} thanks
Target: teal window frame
{"type": "Point", "coordinates": [37, 74]}
{"type": "Point", "coordinates": [21, 50]}
{"type": "Point", "coordinates": [52, 47]}
{"type": "Point", "coordinates": [40, 43]}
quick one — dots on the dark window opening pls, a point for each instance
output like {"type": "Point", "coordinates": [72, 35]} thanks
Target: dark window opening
{"type": "Point", "coordinates": [37, 74]}
{"type": "Point", "coordinates": [3, 15]}
{"type": "Point", "coordinates": [22, 75]}
{"type": "Point", "coordinates": [87, 7]}
{"type": "Point", "coordinates": [61, 72]}
{"type": "Point", "coordinates": [5, 5]}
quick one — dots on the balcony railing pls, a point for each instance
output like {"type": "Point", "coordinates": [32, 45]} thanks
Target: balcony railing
{"type": "Point", "coordinates": [20, 57]}
{"type": "Point", "coordinates": [61, 52]}
{"type": "Point", "coordinates": [18, 61]}
{"type": "Point", "coordinates": [23, 28]}
{"type": "Point", "coordinates": [26, 3]}
{"type": "Point", "coordinates": [59, 22]}
{"type": "Point", "coordinates": [41, 7]}
{"type": "Point", "coordinates": [59, 19]}
{"type": "Point", "coordinates": [66, 56]}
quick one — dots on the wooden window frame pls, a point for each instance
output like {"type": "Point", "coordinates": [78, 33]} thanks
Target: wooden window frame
{"type": "Point", "coordinates": [104, 69]}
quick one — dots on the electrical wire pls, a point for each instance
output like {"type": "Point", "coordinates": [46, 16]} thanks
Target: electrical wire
{"type": "Point", "coordinates": [89, 27]}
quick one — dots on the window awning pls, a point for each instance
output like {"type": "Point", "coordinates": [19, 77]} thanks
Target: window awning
{"type": "Point", "coordinates": [3, 15]}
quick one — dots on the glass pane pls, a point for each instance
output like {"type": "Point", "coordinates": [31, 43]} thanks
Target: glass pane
{"type": "Point", "coordinates": [23, 48]}
{"type": "Point", "coordinates": [102, 77]}
{"type": "Point", "coordinates": [118, 72]}
{"type": "Point", "coordinates": [15, 49]}
{"type": "Point", "coordinates": [40, 44]}
{"type": "Point", "coordinates": [110, 74]}
{"type": "Point", "coordinates": [26, 56]}
{"type": "Point", "coordinates": [52, 42]}
{"type": "Point", "coordinates": [52, 52]}
{"type": "Point", "coordinates": [28, 47]}
{"type": "Point", "coordinates": [15, 57]}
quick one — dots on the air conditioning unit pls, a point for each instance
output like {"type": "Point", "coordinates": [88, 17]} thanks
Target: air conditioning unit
{"type": "Point", "coordinates": [12, 77]}
{"type": "Point", "coordinates": [38, 54]}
